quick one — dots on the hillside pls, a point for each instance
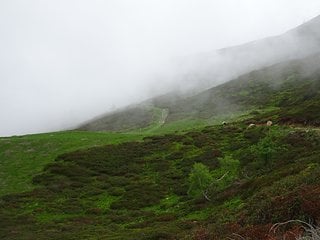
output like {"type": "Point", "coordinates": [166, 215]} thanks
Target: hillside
{"type": "Point", "coordinates": [278, 86]}
{"type": "Point", "coordinates": [216, 67]}
{"type": "Point", "coordinates": [22, 157]}
{"type": "Point", "coordinates": [207, 183]}
{"type": "Point", "coordinates": [168, 169]}
{"type": "Point", "coordinates": [207, 69]}
{"type": "Point", "coordinates": [284, 85]}
{"type": "Point", "coordinates": [146, 190]}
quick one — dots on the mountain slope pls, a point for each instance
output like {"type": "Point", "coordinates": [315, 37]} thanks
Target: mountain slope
{"type": "Point", "coordinates": [274, 57]}
{"type": "Point", "coordinates": [147, 190]}
{"type": "Point", "coordinates": [282, 85]}
{"type": "Point", "coordinates": [142, 190]}
{"type": "Point", "coordinates": [216, 67]}
{"type": "Point", "coordinates": [258, 89]}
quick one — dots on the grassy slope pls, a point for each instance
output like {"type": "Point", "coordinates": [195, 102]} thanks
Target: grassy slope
{"type": "Point", "coordinates": [23, 157]}
{"type": "Point", "coordinates": [283, 85]}
{"type": "Point", "coordinates": [125, 119]}
{"type": "Point", "coordinates": [138, 190]}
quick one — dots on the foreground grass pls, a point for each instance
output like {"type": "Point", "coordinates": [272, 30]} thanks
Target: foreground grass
{"type": "Point", "coordinates": [24, 156]}
{"type": "Point", "coordinates": [139, 190]}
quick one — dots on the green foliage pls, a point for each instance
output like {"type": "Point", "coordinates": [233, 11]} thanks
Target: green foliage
{"type": "Point", "coordinates": [23, 157]}
{"type": "Point", "coordinates": [228, 172]}
{"type": "Point", "coordinates": [167, 204]}
{"type": "Point", "coordinates": [264, 150]}
{"type": "Point", "coordinates": [105, 201]}
{"type": "Point", "coordinates": [138, 190]}
{"type": "Point", "coordinates": [199, 180]}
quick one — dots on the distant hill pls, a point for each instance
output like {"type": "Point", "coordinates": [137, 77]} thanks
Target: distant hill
{"type": "Point", "coordinates": [262, 71]}
{"type": "Point", "coordinates": [212, 68]}
{"type": "Point", "coordinates": [280, 86]}
{"type": "Point", "coordinates": [286, 85]}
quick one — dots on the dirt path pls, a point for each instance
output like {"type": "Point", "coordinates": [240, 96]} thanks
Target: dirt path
{"type": "Point", "coordinates": [163, 117]}
{"type": "Point", "coordinates": [304, 128]}
{"type": "Point", "coordinates": [317, 129]}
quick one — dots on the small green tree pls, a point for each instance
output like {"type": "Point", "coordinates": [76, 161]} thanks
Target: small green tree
{"type": "Point", "coordinates": [265, 150]}
{"type": "Point", "coordinates": [199, 180]}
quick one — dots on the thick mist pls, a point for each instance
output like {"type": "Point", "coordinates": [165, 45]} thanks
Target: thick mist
{"type": "Point", "coordinates": [64, 62]}
{"type": "Point", "coordinates": [212, 68]}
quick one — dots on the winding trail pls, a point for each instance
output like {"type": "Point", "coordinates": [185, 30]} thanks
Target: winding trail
{"type": "Point", "coordinates": [163, 117]}
{"type": "Point", "coordinates": [306, 128]}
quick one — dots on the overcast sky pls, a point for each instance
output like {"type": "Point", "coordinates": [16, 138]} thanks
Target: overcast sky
{"type": "Point", "coordinates": [65, 61]}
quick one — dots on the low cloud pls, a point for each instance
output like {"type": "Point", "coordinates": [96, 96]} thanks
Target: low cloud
{"type": "Point", "coordinates": [63, 62]}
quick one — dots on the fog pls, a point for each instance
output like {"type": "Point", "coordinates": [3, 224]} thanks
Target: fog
{"type": "Point", "coordinates": [63, 62]}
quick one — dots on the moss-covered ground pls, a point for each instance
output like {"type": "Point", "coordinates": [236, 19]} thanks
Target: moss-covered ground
{"type": "Point", "coordinates": [21, 157]}
{"type": "Point", "coordinates": [139, 189]}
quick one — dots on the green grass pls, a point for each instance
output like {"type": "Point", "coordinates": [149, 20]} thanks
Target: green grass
{"type": "Point", "coordinates": [189, 124]}
{"type": "Point", "coordinates": [105, 201]}
{"type": "Point", "coordinates": [139, 190]}
{"type": "Point", "coordinates": [23, 157]}
{"type": "Point", "coordinates": [169, 204]}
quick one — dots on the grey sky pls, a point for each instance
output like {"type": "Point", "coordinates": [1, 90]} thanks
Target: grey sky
{"type": "Point", "coordinates": [65, 61]}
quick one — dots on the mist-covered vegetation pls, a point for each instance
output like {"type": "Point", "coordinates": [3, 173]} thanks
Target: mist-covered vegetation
{"type": "Point", "coordinates": [287, 92]}
{"type": "Point", "coordinates": [201, 167]}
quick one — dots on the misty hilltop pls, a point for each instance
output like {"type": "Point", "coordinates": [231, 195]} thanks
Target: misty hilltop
{"type": "Point", "coordinates": [215, 145]}
{"type": "Point", "coordinates": [261, 71]}
{"type": "Point", "coordinates": [228, 63]}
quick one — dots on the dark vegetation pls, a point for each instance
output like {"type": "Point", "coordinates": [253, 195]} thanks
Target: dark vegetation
{"type": "Point", "coordinates": [21, 157]}
{"type": "Point", "coordinates": [139, 190]}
